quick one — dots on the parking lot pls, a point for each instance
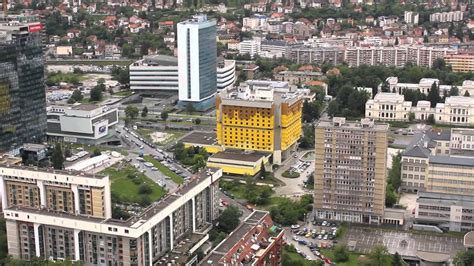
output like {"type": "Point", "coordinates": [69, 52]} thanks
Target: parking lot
{"type": "Point", "coordinates": [310, 239]}
{"type": "Point", "coordinates": [405, 243]}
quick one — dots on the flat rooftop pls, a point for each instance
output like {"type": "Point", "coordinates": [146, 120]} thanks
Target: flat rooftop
{"type": "Point", "coordinates": [239, 156]}
{"type": "Point", "coordinates": [452, 160]}
{"type": "Point", "coordinates": [85, 107]}
{"type": "Point", "coordinates": [354, 125]}
{"type": "Point", "coordinates": [201, 137]}
{"type": "Point", "coordinates": [52, 171]}
{"type": "Point", "coordinates": [135, 221]}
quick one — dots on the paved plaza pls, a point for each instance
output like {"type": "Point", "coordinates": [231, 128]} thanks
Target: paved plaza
{"type": "Point", "coordinates": [405, 243]}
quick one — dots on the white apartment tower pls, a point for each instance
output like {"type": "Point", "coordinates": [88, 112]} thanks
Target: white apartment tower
{"type": "Point", "coordinates": [197, 56]}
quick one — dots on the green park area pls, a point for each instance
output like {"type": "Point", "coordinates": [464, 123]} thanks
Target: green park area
{"type": "Point", "coordinates": [165, 170]}
{"type": "Point", "coordinates": [130, 186]}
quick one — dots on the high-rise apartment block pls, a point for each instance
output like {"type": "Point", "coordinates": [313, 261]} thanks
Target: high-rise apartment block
{"type": "Point", "coordinates": [65, 214]}
{"type": "Point", "coordinates": [259, 116]}
{"type": "Point", "coordinates": [397, 56]}
{"type": "Point", "coordinates": [460, 62]}
{"type": "Point", "coordinates": [411, 17]}
{"type": "Point", "coordinates": [197, 62]}
{"type": "Point", "coordinates": [350, 170]}
{"type": "Point", "coordinates": [22, 91]}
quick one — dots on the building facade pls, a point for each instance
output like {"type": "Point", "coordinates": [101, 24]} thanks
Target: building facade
{"type": "Point", "coordinates": [22, 91]}
{"type": "Point", "coordinates": [154, 73]}
{"type": "Point", "coordinates": [447, 211]}
{"type": "Point", "coordinates": [350, 170]}
{"type": "Point", "coordinates": [85, 123]}
{"type": "Point", "coordinates": [259, 116]}
{"type": "Point", "coordinates": [460, 62]}
{"type": "Point", "coordinates": [397, 56]}
{"type": "Point", "coordinates": [256, 241]}
{"type": "Point", "coordinates": [197, 59]}
{"type": "Point", "coordinates": [63, 214]}
{"type": "Point", "coordinates": [159, 73]}
{"type": "Point", "coordinates": [456, 110]}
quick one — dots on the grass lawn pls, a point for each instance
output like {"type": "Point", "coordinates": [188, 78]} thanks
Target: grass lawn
{"type": "Point", "coordinates": [124, 93]}
{"type": "Point", "coordinates": [127, 190]}
{"type": "Point", "coordinates": [352, 257]}
{"type": "Point", "coordinates": [290, 174]}
{"type": "Point", "coordinates": [175, 177]}
{"type": "Point", "coordinates": [295, 257]}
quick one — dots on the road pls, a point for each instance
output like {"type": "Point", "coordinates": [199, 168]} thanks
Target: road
{"type": "Point", "coordinates": [134, 151]}
{"type": "Point", "coordinates": [293, 186]}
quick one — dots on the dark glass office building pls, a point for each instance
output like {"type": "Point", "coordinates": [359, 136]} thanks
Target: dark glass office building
{"type": "Point", "coordinates": [22, 90]}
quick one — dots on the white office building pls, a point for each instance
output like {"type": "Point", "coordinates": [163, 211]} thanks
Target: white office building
{"type": "Point", "coordinates": [250, 47]}
{"type": "Point", "coordinates": [85, 123]}
{"type": "Point", "coordinates": [197, 59]}
{"type": "Point", "coordinates": [158, 73]}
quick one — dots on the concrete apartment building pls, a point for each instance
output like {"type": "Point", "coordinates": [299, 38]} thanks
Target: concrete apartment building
{"type": "Point", "coordinates": [397, 56]}
{"type": "Point", "coordinates": [350, 170]}
{"type": "Point", "coordinates": [316, 55]}
{"type": "Point", "coordinates": [451, 16]}
{"type": "Point", "coordinates": [256, 241]}
{"type": "Point", "coordinates": [460, 62]}
{"type": "Point", "coordinates": [84, 123]}
{"type": "Point", "coordinates": [64, 214]}
{"type": "Point", "coordinates": [258, 115]}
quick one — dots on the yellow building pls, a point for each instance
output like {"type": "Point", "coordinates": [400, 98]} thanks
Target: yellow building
{"type": "Point", "coordinates": [460, 62]}
{"type": "Point", "coordinates": [238, 163]}
{"type": "Point", "coordinates": [262, 116]}
{"type": "Point", "coordinates": [206, 140]}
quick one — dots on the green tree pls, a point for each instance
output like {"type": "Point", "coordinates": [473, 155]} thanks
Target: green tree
{"type": "Point", "coordinates": [96, 94]}
{"type": "Point", "coordinates": [397, 260]}
{"type": "Point", "coordinates": [75, 97]}
{"type": "Point", "coordinates": [229, 219]}
{"type": "Point", "coordinates": [464, 258]}
{"type": "Point", "coordinates": [333, 108]}
{"type": "Point", "coordinates": [394, 175]}
{"type": "Point", "coordinates": [454, 91]}
{"type": "Point", "coordinates": [467, 94]}
{"type": "Point", "coordinates": [431, 120]}
{"type": "Point", "coordinates": [433, 95]}
{"type": "Point", "coordinates": [96, 152]}
{"type": "Point", "coordinates": [131, 112]}
{"type": "Point", "coordinates": [390, 196]}
{"type": "Point", "coordinates": [144, 111]}
{"type": "Point", "coordinates": [379, 256]}
{"type": "Point", "coordinates": [197, 121]}
{"type": "Point", "coordinates": [57, 157]}
{"type": "Point", "coordinates": [145, 189]}
{"type": "Point", "coordinates": [411, 116]}
{"type": "Point", "coordinates": [341, 254]}
{"type": "Point", "coordinates": [164, 116]}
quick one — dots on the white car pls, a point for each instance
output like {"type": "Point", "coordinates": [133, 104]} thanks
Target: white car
{"type": "Point", "coordinates": [295, 238]}
{"type": "Point", "coordinates": [325, 237]}
{"type": "Point", "coordinates": [324, 223]}
{"type": "Point", "coordinates": [295, 226]}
